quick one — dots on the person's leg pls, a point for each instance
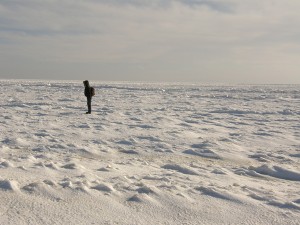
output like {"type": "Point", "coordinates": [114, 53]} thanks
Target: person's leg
{"type": "Point", "coordinates": [89, 103]}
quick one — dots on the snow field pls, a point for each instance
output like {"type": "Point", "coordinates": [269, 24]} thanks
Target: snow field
{"type": "Point", "coordinates": [149, 154]}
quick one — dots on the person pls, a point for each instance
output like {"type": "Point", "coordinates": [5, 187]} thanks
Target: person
{"type": "Point", "coordinates": [88, 95]}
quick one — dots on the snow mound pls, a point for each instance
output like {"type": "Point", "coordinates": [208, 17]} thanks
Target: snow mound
{"type": "Point", "coordinates": [6, 164]}
{"type": "Point", "coordinates": [129, 152]}
{"type": "Point", "coordinates": [140, 198]}
{"type": "Point", "coordinates": [278, 172]}
{"type": "Point", "coordinates": [286, 205]}
{"type": "Point", "coordinates": [16, 142]}
{"type": "Point", "coordinates": [105, 169]}
{"type": "Point", "coordinates": [204, 150]}
{"type": "Point", "coordinates": [248, 172]}
{"type": "Point", "coordinates": [8, 185]}
{"type": "Point", "coordinates": [295, 155]}
{"type": "Point", "coordinates": [214, 192]}
{"type": "Point", "coordinates": [147, 190]}
{"type": "Point", "coordinates": [180, 169]}
{"type": "Point", "coordinates": [206, 153]}
{"type": "Point", "coordinates": [72, 166]}
{"type": "Point", "coordinates": [104, 188]}
{"type": "Point", "coordinates": [33, 187]}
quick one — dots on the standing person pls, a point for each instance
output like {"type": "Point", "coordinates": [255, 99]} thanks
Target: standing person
{"type": "Point", "coordinates": [88, 95]}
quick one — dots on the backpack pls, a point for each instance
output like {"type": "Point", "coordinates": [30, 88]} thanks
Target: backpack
{"type": "Point", "coordinates": [92, 91]}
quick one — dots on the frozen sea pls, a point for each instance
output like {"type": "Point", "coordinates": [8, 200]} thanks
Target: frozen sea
{"type": "Point", "coordinates": [150, 153]}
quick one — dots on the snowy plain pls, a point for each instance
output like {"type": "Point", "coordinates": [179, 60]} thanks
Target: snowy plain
{"type": "Point", "coordinates": [149, 153]}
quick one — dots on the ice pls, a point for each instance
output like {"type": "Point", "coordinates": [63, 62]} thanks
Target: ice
{"type": "Point", "coordinates": [150, 153]}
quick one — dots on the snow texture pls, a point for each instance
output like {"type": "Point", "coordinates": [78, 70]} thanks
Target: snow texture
{"type": "Point", "coordinates": [149, 153]}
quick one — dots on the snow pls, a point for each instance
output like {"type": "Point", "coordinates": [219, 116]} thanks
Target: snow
{"type": "Point", "coordinates": [149, 153]}
{"type": "Point", "coordinates": [279, 172]}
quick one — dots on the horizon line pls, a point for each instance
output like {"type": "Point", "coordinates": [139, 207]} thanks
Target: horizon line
{"type": "Point", "coordinates": [147, 81]}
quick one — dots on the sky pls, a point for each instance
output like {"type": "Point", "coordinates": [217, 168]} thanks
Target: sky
{"type": "Point", "coordinates": [215, 41]}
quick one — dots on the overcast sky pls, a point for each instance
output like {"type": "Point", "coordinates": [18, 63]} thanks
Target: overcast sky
{"type": "Point", "coordinates": [231, 41]}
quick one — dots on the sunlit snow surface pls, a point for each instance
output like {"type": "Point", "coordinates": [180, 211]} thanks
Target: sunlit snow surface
{"type": "Point", "coordinates": [149, 154]}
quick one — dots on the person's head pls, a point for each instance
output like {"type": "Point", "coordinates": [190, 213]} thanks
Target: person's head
{"type": "Point", "coordinates": [86, 83]}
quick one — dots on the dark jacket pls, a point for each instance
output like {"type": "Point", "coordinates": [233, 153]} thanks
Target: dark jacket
{"type": "Point", "coordinates": [87, 90]}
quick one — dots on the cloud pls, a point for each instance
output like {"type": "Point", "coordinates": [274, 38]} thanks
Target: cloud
{"type": "Point", "coordinates": [222, 6]}
{"type": "Point", "coordinates": [47, 17]}
{"type": "Point", "coordinates": [166, 36]}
